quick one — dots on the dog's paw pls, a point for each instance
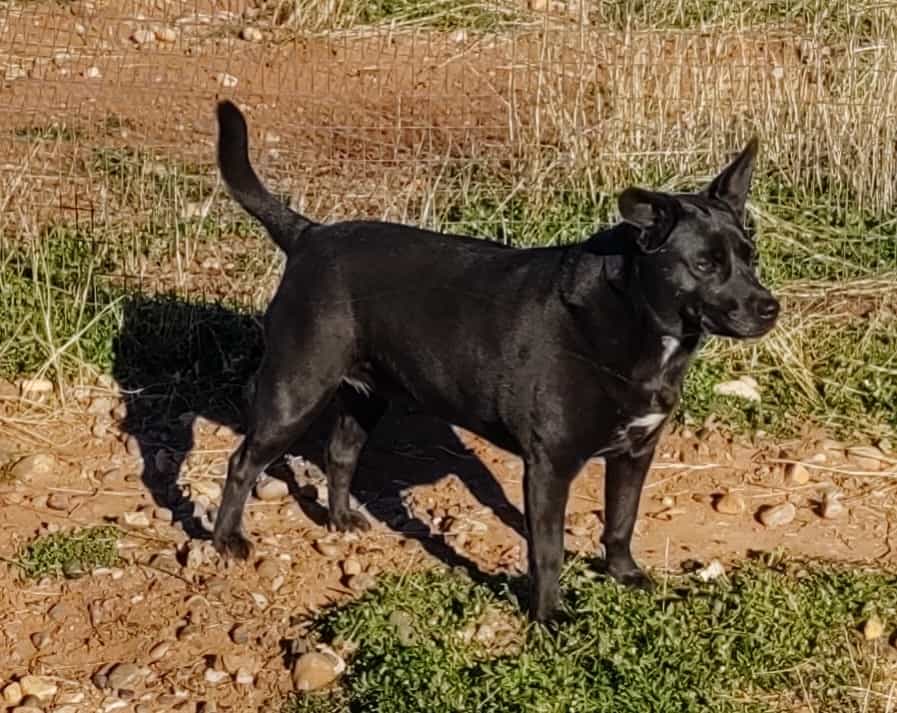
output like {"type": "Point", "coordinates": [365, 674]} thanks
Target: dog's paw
{"type": "Point", "coordinates": [634, 578]}
{"type": "Point", "coordinates": [349, 521]}
{"type": "Point", "coordinates": [232, 545]}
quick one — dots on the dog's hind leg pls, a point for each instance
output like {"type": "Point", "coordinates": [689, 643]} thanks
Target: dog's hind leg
{"type": "Point", "coordinates": [623, 480]}
{"type": "Point", "coordinates": [358, 414]}
{"type": "Point", "coordinates": [282, 409]}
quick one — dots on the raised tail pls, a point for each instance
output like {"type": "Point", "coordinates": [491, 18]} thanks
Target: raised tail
{"type": "Point", "coordinates": [283, 225]}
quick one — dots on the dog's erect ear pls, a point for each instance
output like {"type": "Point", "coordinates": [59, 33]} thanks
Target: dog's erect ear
{"type": "Point", "coordinates": [733, 184]}
{"type": "Point", "coordinates": [653, 213]}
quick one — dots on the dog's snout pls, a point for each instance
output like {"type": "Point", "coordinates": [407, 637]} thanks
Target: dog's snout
{"type": "Point", "coordinates": [768, 308]}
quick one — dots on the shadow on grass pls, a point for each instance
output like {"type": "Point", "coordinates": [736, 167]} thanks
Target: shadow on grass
{"type": "Point", "coordinates": [177, 361]}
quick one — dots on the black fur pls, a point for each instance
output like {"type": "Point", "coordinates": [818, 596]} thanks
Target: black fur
{"type": "Point", "coordinates": [557, 354]}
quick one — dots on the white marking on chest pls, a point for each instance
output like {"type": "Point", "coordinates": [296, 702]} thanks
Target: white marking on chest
{"type": "Point", "coordinates": [649, 421]}
{"type": "Point", "coordinates": [670, 345]}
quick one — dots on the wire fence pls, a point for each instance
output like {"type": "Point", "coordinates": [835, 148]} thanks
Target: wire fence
{"type": "Point", "coordinates": [520, 123]}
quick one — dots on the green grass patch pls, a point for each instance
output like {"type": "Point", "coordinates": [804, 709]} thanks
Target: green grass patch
{"type": "Point", "coordinates": [69, 553]}
{"type": "Point", "coordinates": [759, 640]}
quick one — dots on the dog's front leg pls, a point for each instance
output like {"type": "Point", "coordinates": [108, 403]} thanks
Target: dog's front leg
{"type": "Point", "coordinates": [545, 494]}
{"type": "Point", "coordinates": [623, 480]}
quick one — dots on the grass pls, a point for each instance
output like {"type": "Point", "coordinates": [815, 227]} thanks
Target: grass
{"type": "Point", "coordinates": [767, 637]}
{"type": "Point", "coordinates": [69, 553]}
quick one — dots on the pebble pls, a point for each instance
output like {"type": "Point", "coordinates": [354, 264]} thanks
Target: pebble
{"type": "Point", "coordinates": [41, 687]}
{"type": "Point", "coordinates": [712, 571]}
{"type": "Point", "coordinates": [40, 639]}
{"type": "Point", "coordinates": [239, 634]}
{"type": "Point", "coordinates": [832, 507]}
{"type": "Point", "coordinates": [35, 387]}
{"type": "Point", "coordinates": [328, 548]}
{"type": "Point", "coordinates": [403, 623]}
{"type": "Point", "coordinates": [244, 678]}
{"type": "Point", "coordinates": [361, 582]}
{"type": "Point", "coordinates": [61, 611]}
{"type": "Point", "coordinates": [351, 567]}
{"type": "Point", "coordinates": [777, 515]}
{"type": "Point", "coordinates": [124, 675]}
{"type": "Point", "coordinates": [873, 628]}
{"type": "Point", "coordinates": [251, 34]}
{"type": "Point", "coordinates": [34, 465]}
{"type": "Point", "coordinates": [143, 37]}
{"type": "Point", "coordinates": [92, 73]}
{"type": "Point", "coordinates": [58, 501]}
{"type": "Point", "coordinates": [730, 504]}
{"type": "Point", "coordinates": [268, 569]}
{"type": "Point", "coordinates": [317, 669]}
{"type": "Point", "coordinates": [271, 489]}
{"type": "Point", "coordinates": [866, 457]}
{"type": "Point", "coordinates": [215, 677]}
{"type": "Point", "coordinates": [12, 694]}
{"type": "Point", "coordinates": [158, 652]}
{"type": "Point", "coordinates": [796, 474]}
{"type": "Point", "coordinates": [166, 34]}
{"type": "Point", "coordinates": [137, 519]}
{"type": "Point", "coordinates": [228, 81]}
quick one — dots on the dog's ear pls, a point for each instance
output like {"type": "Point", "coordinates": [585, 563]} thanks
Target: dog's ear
{"type": "Point", "coordinates": [653, 213]}
{"type": "Point", "coordinates": [733, 184]}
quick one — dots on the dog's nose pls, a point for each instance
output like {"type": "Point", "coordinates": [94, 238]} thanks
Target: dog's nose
{"type": "Point", "coordinates": [768, 308]}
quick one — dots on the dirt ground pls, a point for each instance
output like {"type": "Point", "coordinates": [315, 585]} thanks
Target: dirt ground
{"type": "Point", "coordinates": [433, 495]}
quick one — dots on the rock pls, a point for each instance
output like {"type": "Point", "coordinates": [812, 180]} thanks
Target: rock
{"type": "Point", "coordinates": [251, 34]}
{"type": "Point", "coordinates": [745, 387]}
{"type": "Point", "coordinates": [244, 677]}
{"type": "Point", "coordinates": [12, 694]}
{"type": "Point", "coordinates": [159, 651]}
{"type": "Point", "coordinates": [268, 569]}
{"type": "Point", "coordinates": [31, 388]}
{"type": "Point", "coordinates": [270, 489]}
{"type": "Point", "coordinates": [137, 520]}
{"type": "Point", "coordinates": [33, 466]}
{"type": "Point", "coordinates": [228, 81]}
{"type": "Point", "coordinates": [832, 507]}
{"type": "Point", "coordinates": [459, 36]}
{"type": "Point", "coordinates": [143, 37]}
{"type": "Point", "coordinates": [668, 501]}
{"type": "Point", "coordinates": [40, 639]}
{"type": "Point", "coordinates": [214, 677]}
{"type": "Point", "coordinates": [41, 687]}
{"type": "Point", "coordinates": [796, 474]}
{"type": "Point", "coordinates": [712, 571]}
{"type": "Point", "coordinates": [867, 457]}
{"type": "Point", "coordinates": [873, 628]}
{"type": "Point", "coordinates": [730, 504]}
{"type": "Point", "coordinates": [166, 34]}
{"type": "Point", "coordinates": [58, 501]}
{"type": "Point", "coordinates": [240, 634]}
{"type": "Point", "coordinates": [403, 623]}
{"type": "Point", "coordinates": [93, 73]}
{"type": "Point", "coordinates": [317, 669]}
{"type": "Point", "coordinates": [777, 515]}
{"type": "Point", "coordinates": [361, 582]}
{"type": "Point", "coordinates": [234, 662]}
{"type": "Point", "coordinates": [351, 567]}
{"type": "Point", "coordinates": [124, 675]}
{"type": "Point", "coordinates": [328, 548]}
{"type": "Point", "coordinates": [61, 611]}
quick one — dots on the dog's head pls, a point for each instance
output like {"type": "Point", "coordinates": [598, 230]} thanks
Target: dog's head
{"type": "Point", "coordinates": [699, 261]}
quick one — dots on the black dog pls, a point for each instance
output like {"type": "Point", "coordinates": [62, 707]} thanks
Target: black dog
{"type": "Point", "coordinates": [557, 354]}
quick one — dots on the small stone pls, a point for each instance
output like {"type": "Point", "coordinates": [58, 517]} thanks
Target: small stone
{"type": "Point", "coordinates": [832, 507]}
{"type": "Point", "coordinates": [166, 34]}
{"type": "Point", "coordinates": [668, 501]}
{"type": "Point", "coordinates": [873, 628]}
{"type": "Point", "coordinates": [351, 567]}
{"type": "Point", "coordinates": [33, 466]}
{"type": "Point", "coordinates": [92, 73]}
{"type": "Point", "coordinates": [137, 520]}
{"type": "Point", "coordinates": [403, 623]}
{"type": "Point", "coordinates": [317, 669]}
{"type": "Point", "coordinates": [124, 675]}
{"type": "Point", "coordinates": [712, 571]}
{"type": "Point", "coordinates": [215, 677]}
{"type": "Point", "coordinates": [361, 582]}
{"type": "Point", "coordinates": [159, 651]}
{"type": "Point", "coordinates": [240, 634]}
{"type": "Point", "coordinates": [40, 639]}
{"type": "Point", "coordinates": [143, 37]}
{"type": "Point", "coordinates": [328, 548]}
{"type": "Point", "coordinates": [730, 504]}
{"type": "Point", "coordinates": [58, 501]}
{"type": "Point", "coordinates": [228, 81]}
{"type": "Point", "coordinates": [12, 694]}
{"type": "Point", "coordinates": [61, 611]}
{"type": "Point", "coordinates": [268, 569]}
{"type": "Point", "coordinates": [251, 34]}
{"type": "Point", "coordinates": [244, 677]}
{"type": "Point", "coordinates": [867, 457]}
{"type": "Point", "coordinates": [796, 474]}
{"type": "Point", "coordinates": [271, 489]}
{"type": "Point", "coordinates": [35, 387]}
{"type": "Point", "coordinates": [777, 515]}
{"type": "Point", "coordinates": [41, 687]}
{"type": "Point", "coordinates": [458, 36]}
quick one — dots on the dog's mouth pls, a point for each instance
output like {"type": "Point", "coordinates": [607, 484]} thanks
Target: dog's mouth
{"type": "Point", "coordinates": [736, 329]}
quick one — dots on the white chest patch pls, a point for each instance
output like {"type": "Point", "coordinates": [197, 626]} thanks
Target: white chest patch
{"type": "Point", "coordinates": [670, 345]}
{"type": "Point", "coordinates": [649, 421]}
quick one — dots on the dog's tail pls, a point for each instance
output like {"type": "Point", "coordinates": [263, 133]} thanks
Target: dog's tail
{"type": "Point", "coordinates": [284, 225]}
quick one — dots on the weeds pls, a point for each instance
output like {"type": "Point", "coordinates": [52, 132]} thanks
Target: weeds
{"type": "Point", "coordinates": [69, 553]}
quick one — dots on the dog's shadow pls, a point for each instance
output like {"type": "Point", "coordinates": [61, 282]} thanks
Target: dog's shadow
{"type": "Point", "coordinates": [177, 361]}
